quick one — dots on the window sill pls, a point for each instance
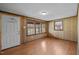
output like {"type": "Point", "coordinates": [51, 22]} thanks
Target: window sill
{"type": "Point", "coordinates": [36, 34]}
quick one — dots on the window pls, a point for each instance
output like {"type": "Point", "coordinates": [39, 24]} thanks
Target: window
{"type": "Point", "coordinates": [30, 29]}
{"type": "Point", "coordinates": [58, 25]}
{"type": "Point", "coordinates": [35, 28]}
{"type": "Point", "coordinates": [43, 28]}
{"type": "Point", "coordinates": [38, 28]}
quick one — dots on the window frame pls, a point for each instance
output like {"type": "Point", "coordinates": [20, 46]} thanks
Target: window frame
{"type": "Point", "coordinates": [27, 29]}
{"type": "Point", "coordinates": [44, 27]}
{"type": "Point", "coordinates": [61, 25]}
{"type": "Point", "coordinates": [40, 29]}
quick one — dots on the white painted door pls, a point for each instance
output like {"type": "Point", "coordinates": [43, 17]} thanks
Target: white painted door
{"type": "Point", "coordinates": [10, 31]}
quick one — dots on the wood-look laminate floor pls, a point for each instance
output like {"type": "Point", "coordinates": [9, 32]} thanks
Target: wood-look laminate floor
{"type": "Point", "coordinates": [45, 46]}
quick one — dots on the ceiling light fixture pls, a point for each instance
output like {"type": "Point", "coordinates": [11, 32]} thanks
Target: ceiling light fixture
{"type": "Point", "coordinates": [44, 13]}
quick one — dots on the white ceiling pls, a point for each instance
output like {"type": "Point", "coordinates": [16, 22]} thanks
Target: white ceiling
{"type": "Point", "coordinates": [54, 11]}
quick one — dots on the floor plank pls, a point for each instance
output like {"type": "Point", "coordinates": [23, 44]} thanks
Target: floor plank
{"type": "Point", "coordinates": [45, 46]}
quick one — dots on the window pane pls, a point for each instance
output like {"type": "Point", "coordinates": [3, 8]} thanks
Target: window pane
{"type": "Point", "coordinates": [37, 28]}
{"type": "Point", "coordinates": [58, 25]}
{"type": "Point", "coordinates": [30, 29]}
{"type": "Point", "coordinates": [40, 28]}
{"type": "Point", "coordinates": [43, 27]}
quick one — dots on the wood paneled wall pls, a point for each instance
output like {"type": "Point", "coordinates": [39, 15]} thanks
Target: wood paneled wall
{"type": "Point", "coordinates": [78, 32]}
{"type": "Point", "coordinates": [23, 29]}
{"type": "Point", "coordinates": [69, 29]}
{"type": "Point", "coordinates": [0, 31]}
